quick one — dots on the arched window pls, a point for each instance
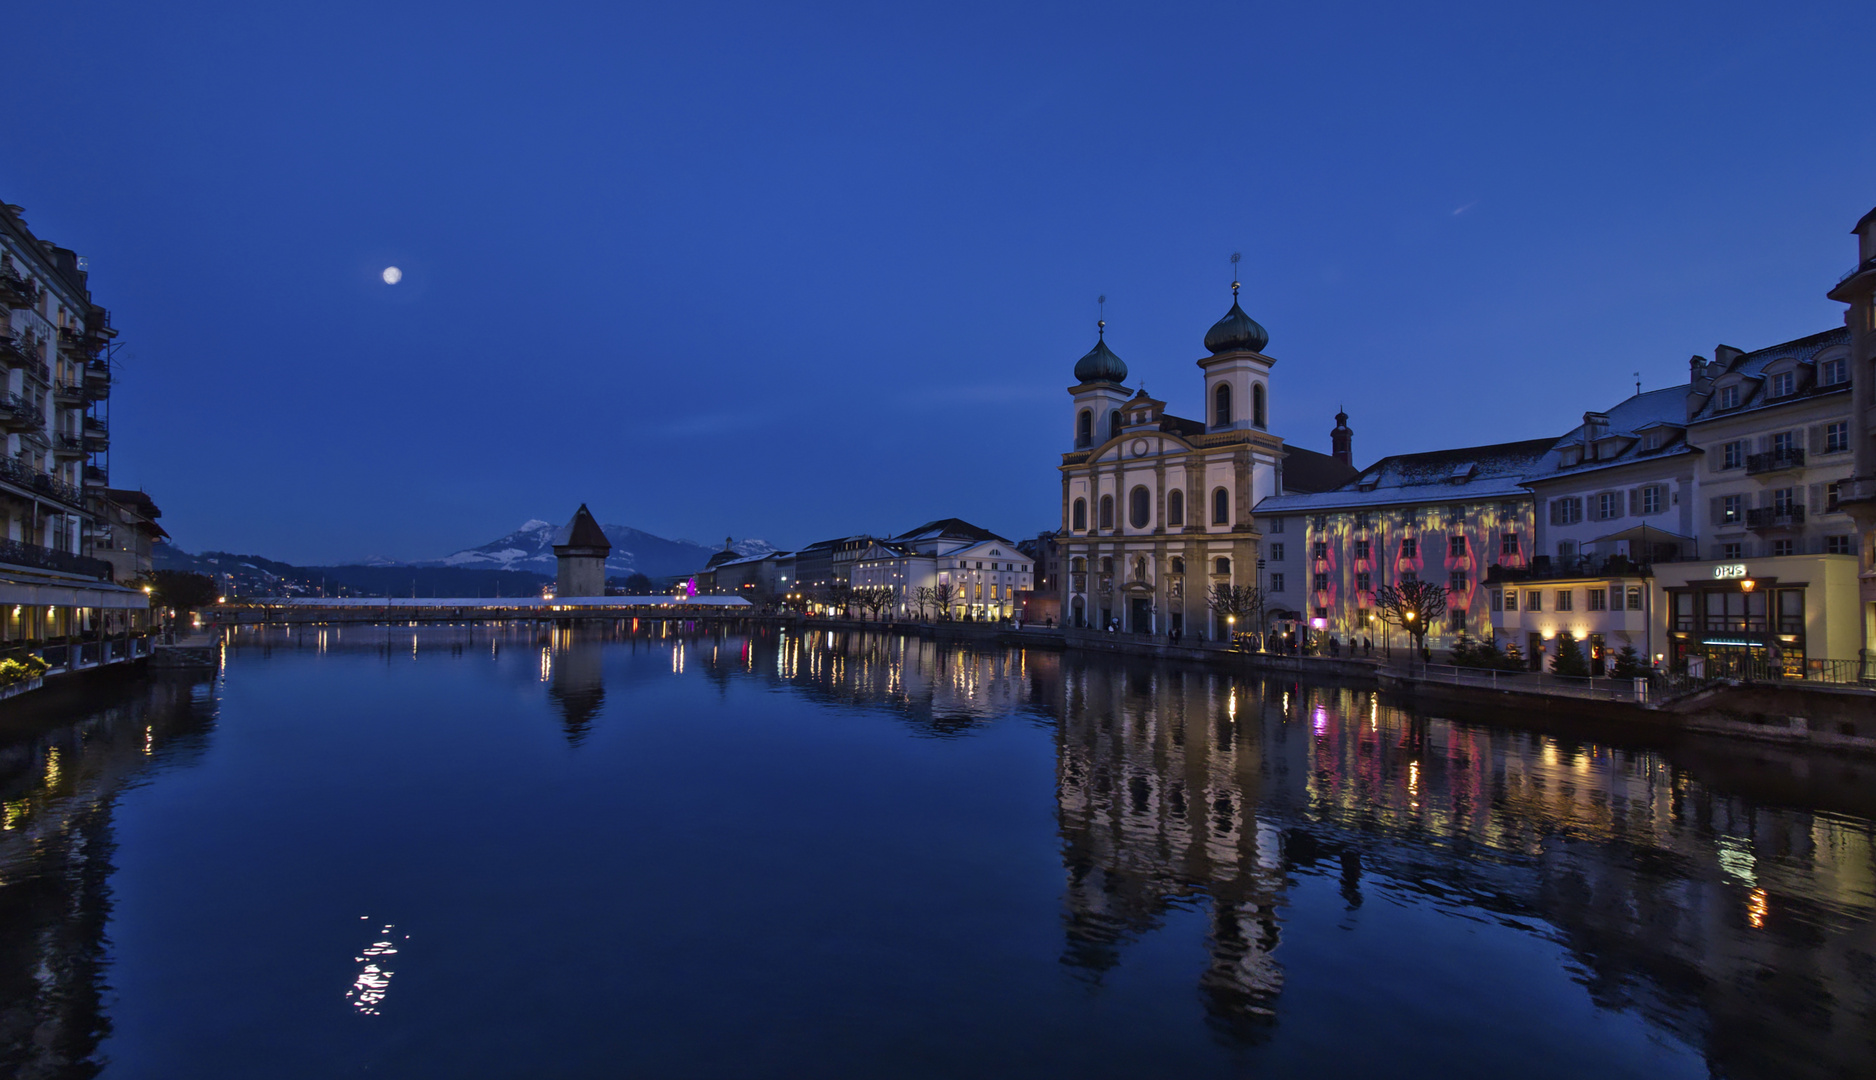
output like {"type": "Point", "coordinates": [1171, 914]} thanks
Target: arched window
{"type": "Point", "coordinates": [1107, 511]}
{"type": "Point", "coordinates": [1107, 564]}
{"type": "Point", "coordinates": [1080, 517]}
{"type": "Point", "coordinates": [1178, 565]}
{"type": "Point", "coordinates": [1176, 508]}
{"type": "Point", "coordinates": [1140, 507]}
{"type": "Point", "coordinates": [1084, 428]}
{"type": "Point", "coordinates": [1221, 405]}
{"type": "Point", "coordinates": [1221, 507]}
{"type": "Point", "coordinates": [1078, 565]}
{"type": "Point", "coordinates": [1221, 565]}
{"type": "Point", "coordinates": [1257, 404]}
{"type": "Point", "coordinates": [1113, 424]}
{"type": "Point", "coordinates": [1139, 568]}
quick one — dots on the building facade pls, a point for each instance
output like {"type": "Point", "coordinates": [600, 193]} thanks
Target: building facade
{"type": "Point", "coordinates": [1447, 516]}
{"type": "Point", "coordinates": [1857, 495]}
{"type": "Point", "coordinates": [980, 572]}
{"type": "Point", "coordinates": [1157, 509]}
{"type": "Point", "coordinates": [55, 383]}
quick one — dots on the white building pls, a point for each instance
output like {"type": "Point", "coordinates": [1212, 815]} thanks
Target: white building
{"type": "Point", "coordinates": [983, 572]}
{"type": "Point", "coordinates": [1157, 509]}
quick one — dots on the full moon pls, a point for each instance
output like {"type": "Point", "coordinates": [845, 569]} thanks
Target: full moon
{"type": "Point", "coordinates": [392, 275]}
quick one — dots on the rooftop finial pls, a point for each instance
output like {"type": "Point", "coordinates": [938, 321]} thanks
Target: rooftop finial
{"type": "Point", "coordinates": [1100, 321]}
{"type": "Point", "coordinates": [1236, 257]}
{"type": "Point", "coordinates": [1638, 382]}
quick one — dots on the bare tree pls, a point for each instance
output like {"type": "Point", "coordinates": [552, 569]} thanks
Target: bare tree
{"type": "Point", "coordinates": [1234, 604]}
{"type": "Point", "coordinates": [839, 596]}
{"type": "Point", "coordinates": [943, 595]}
{"type": "Point", "coordinates": [875, 598]}
{"type": "Point", "coordinates": [921, 599]}
{"type": "Point", "coordinates": [1414, 606]}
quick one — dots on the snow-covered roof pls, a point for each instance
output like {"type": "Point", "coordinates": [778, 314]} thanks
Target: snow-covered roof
{"type": "Point", "coordinates": [1752, 367]}
{"type": "Point", "coordinates": [1467, 474]}
{"type": "Point", "coordinates": [1663, 411]}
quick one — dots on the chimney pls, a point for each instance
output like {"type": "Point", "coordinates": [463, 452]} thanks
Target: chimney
{"type": "Point", "coordinates": [1341, 441]}
{"type": "Point", "coordinates": [1724, 355]}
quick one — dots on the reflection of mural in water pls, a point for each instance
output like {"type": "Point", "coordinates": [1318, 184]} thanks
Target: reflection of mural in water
{"type": "Point", "coordinates": [1749, 931]}
{"type": "Point", "coordinates": [58, 784]}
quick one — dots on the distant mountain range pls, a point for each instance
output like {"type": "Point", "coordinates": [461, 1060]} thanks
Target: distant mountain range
{"type": "Point", "coordinates": [531, 548]}
{"type": "Point", "coordinates": [515, 565]}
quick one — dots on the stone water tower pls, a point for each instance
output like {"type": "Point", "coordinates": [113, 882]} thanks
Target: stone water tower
{"type": "Point", "coordinates": [581, 549]}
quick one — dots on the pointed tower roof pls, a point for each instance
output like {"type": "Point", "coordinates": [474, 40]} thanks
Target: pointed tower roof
{"type": "Point", "coordinates": [582, 532]}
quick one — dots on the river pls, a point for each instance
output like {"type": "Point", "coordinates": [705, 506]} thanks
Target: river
{"type": "Point", "coordinates": [635, 850]}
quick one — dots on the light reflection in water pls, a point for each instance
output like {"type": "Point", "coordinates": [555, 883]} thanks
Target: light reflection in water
{"type": "Point", "coordinates": [373, 980]}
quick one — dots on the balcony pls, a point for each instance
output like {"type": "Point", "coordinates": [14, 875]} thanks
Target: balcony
{"type": "Point", "coordinates": [18, 414]}
{"type": "Point", "coordinates": [95, 477]}
{"type": "Point", "coordinates": [1860, 490]}
{"type": "Point", "coordinates": [1775, 461]}
{"type": "Point", "coordinates": [15, 471]}
{"type": "Point", "coordinates": [64, 394]}
{"type": "Point", "coordinates": [76, 343]}
{"type": "Point", "coordinates": [1762, 518]}
{"type": "Point", "coordinates": [68, 446]}
{"type": "Point", "coordinates": [16, 291]}
{"type": "Point", "coordinates": [98, 378]}
{"type": "Point", "coordinates": [20, 553]}
{"type": "Point", "coordinates": [96, 430]}
{"type": "Point", "coordinates": [14, 350]}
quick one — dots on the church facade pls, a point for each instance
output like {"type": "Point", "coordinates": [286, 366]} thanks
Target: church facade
{"type": "Point", "coordinates": [1156, 508]}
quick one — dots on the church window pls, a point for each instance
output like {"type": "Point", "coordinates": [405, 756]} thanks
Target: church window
{"type": "Point", "coordinates": [1221, 565]}
{"type": "Point", "coordinates": [1078, 565]}
{"type": "Point", "coordinates": [1178, 565]}
{"type": "Point", "coordinates": [1176, 508]}
{"type": "Point", "coordinates": [1221, 507]}
{"type": "Point", "coordinates": [1084, 428]}
{"type": "Point", "coordinates": [1257, 404]}
{"type": "Point", "coordinates": [1079, 522]}
{"type": "Point", "coordinates": [1140, 507]}
{"type": "Point", "coordinates": [1107, 511]}
{"type": "Point", "coordinates": [1221, 405]}
{"type": "Point", "coordinates": [1113, 424]}
{"type": "Point", "coordinates": [1107, 564]}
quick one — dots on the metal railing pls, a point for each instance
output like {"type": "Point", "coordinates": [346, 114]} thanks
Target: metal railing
{"type": "Point", "coordinates": [21, 553]}
{"type": "Point", "coordinates": [1759, 669]}
{"type": "Point", "coordinates": [1774, 461]}
{"type": "Point", "coordinates": [1774, 517]}
{"type": "Point", "coordinates": [18, 472]}
{"type": "Point", "coordinates": [1596, 688]}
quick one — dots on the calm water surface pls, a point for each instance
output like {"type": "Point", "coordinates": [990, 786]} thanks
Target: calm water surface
{"type": "Point", "coordinates": [497, 852]}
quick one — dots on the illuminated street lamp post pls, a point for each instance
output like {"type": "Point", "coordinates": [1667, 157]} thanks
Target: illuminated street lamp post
{"type": "Point", "coordinates": [1231, 624]}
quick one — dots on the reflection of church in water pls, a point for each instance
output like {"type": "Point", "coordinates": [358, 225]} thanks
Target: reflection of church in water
{"type": "Point", "coordinates": [1159, 790]}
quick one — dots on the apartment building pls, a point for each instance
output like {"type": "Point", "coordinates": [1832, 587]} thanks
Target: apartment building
{"type": "Point", "coordinates": [55, 384]}
{"type": "Point", "coordinates": [1857, 495]}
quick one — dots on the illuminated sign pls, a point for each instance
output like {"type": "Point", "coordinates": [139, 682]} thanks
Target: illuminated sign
{"type": "Point", "coordinates": [1730, 570]}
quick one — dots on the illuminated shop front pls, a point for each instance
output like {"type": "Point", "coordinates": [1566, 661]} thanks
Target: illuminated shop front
{"type": "Point", "coordinates": [1603, 613]}
{"type": "Point", "coordinates": [1773, 612]}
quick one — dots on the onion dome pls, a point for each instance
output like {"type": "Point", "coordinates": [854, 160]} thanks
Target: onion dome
{"type": "Point", "coordinates": [1101, 365]}
{"type": "Point", "coordinates": [1236, 332]}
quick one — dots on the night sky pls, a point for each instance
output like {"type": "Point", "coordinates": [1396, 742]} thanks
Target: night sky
{"type": "Point", "coordinates": [794, 272]}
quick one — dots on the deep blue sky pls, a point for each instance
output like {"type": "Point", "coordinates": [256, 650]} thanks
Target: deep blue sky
{"type": "Point", "coordinates": [792, 272]}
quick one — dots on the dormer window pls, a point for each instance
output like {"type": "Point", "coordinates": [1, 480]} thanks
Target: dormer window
{"type": "Point", "coordinates": [1729, 397]}
{"type": "Point", "coordinates": [1784, 384]}
{"type": "Point", "coordinates": [1832, 372]}
{"type": "Point", "coordinates": [1654, 441]}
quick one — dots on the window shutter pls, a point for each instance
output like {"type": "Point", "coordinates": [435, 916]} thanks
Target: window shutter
{"type": "Point", "coordinates": [1717, 510]}
{"type": "Point", "coordinates": [1817, 438]}
{"type": "Point", "coordinates": [1634, 502]}
{"type": "Point", "coordinates": [1816, 505]}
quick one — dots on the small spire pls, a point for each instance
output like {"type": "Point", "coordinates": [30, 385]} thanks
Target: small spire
{"type": "Point", "coordinates": [1100, 321]}
{"type": "Point", "coordinates": [1236, 256]}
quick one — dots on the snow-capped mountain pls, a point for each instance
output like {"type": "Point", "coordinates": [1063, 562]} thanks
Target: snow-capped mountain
{"type": "Point", "coordinates": [531, 547]}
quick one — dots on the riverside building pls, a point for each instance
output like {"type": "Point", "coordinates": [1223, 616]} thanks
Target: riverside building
{"type": "Point", "coordinates": [983, 572]}
{"type": "Point", "coordinates": [55, 384]}
{"type": "Point", "coordinates": [1157, 509]}
{"type": "Point", "coordinates": [1856, 495]}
